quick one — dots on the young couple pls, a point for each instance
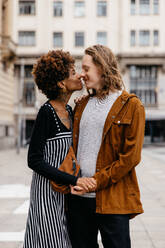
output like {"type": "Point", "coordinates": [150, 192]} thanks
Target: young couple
{"type": "Point", "coordinates": [108, 131]}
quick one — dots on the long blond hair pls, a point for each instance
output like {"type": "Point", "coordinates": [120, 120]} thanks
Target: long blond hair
{"type": "Point", "coordinates": [106, 62]}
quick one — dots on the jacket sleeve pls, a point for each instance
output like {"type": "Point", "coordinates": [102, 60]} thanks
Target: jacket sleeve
{"type": "Point", "coordinates": [35, 153]}
{"type": "Point", "coordinates": [131, 152]}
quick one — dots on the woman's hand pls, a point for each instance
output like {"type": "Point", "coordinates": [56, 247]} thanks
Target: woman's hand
{"type": "Point", "coordinates": [87, 183]}
{"type": "Point", "coordinates": [76, 190]}
{"type": "Point", "coordinates": [77, 100]}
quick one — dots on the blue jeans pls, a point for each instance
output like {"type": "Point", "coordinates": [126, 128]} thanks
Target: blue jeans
{"type": "Point", "coordinates": [84, 224]}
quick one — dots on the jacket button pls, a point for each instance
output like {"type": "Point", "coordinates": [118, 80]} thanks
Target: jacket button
{"type": "Point", "coordinates": [123, 102]}
{"type": "Point", "coordinates": [76, 118]}
{"type": "Point", "coordinates": [97, 170]}
{"type": "Point", "coordinates": [113, 117]}
{"type": "Point", "coordinates": [75, 136]}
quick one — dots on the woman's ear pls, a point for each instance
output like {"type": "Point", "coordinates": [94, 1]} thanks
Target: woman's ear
{"type": "Point", "coordinates": [61, 85]}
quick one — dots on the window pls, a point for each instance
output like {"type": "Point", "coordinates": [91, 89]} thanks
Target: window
{"type": "Point", "coordinates": [26, 38]}
{"type": "Point", "coordinates": [133, 38]}
{"type": "Point", "coordinates": [144, 7]}
{"type": "Point", "coordinates": [6, 131]}
{"type": "Point", "coordinates": [101, 8]}
{"type": "Point", "coordinates": [58, 39]}
{"type": "Point", "coordinates": [27, 7]}
{"type": "Point", "coordinates": [133, 7]}
{"type": "Point", "coordinates": [143, 82]}
{"type": "Point", "coordinates": [28, 71]}
{"type": "Point", "coordinates": [144, 38]}
{"type": "Point", "coordinates": [79, 39]}
{"type": "Point", "coordinates": [156, 37]}
{"type": "Point", "coordinates": [156, 7]}
{"type": "Point", "coordinates": [79, 9]}
{"type": "Point", "coordinates": [102, 38]}
{"type": "Point", "coordinates": [29, 93]}
{"type": "Point", "coordinates": [57, 8]}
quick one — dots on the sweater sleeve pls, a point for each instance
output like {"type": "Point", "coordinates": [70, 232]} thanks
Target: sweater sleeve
{"type": "Point", "coordinates": [35, 153]}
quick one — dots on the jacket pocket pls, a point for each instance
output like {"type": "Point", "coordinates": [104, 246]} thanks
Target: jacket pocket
{"type": "Point", "coordinates": [123, 121]}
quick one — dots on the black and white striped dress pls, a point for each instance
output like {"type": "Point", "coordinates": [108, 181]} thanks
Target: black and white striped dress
{"type": "Point", "coordinates": [46, 223]}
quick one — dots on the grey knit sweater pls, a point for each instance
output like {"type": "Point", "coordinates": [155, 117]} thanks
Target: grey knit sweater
{"type": "Point", "coordinates": [90, 135]}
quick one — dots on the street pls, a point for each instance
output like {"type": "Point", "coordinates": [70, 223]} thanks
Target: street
{"type": "Point", "coordinates": [147, 230]}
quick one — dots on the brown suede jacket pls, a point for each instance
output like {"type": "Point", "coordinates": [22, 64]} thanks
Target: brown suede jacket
{"type": "Point", "coordinates": [120, 151]}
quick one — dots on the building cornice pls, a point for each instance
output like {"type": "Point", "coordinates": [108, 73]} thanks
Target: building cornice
{"type": "Point", "coordinates": [127, 59]}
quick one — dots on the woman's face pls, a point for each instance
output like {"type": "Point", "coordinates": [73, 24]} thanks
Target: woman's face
{"type": "Point", "coordinates": [73, 83]}
{"type": "Point", "coordinates": [90, 73]}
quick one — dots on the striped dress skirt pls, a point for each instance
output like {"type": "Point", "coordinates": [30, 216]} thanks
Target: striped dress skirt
{"type": "Point", "coordinates": [46, 223]}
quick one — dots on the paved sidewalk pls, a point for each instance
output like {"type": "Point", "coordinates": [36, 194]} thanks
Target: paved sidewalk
{"type": "Point", "coordinates": [147, 230]}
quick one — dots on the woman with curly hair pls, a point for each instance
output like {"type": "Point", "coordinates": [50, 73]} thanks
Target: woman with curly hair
{"type": "Point", "coordinates": [55, 76]}
{"type": "Point", "coordinates": [107, 138]}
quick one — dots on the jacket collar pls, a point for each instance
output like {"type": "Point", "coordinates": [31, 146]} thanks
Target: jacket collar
{"type": "Point", "coordinates": [114, 111]}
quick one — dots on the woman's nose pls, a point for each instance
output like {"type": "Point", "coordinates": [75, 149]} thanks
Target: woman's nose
{"type": "Point", "coordinates": [82, 74]}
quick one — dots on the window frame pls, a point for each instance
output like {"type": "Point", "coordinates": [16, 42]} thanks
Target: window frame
{"type": "Point", "coordinates": [157, 38]}
{"type": "Point", "coordinates": [58, 9]}
{"type": "Point", "coordinates": [144, 44]}
{"type": "Point", "coordinates": [144, 83]}
{"type": "Point", "coordinates": [133, 44]}
{"type": "Point", "coordinates": [26, 14]}
{"type": "Point", "coordinates": [132, 7]}
{"type": "Point", "coordinates": [61, 44]}
{"type": "Point", "coordinates": [106, 38]}
{"type": "Point", "coordinates": [24, 43]}
{"type": "Point", "coordinates": [79, 32]}
{"type": "Point", "coordinates": [156, 8]}
{"type": "Point", "coordinates": [75, 15]}
{"type": "Point", "coordinates": [143, 9]}
{"type": "Point", "coordinates": [106, 8]}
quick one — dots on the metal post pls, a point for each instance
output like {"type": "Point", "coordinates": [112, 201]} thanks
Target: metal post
{"type": "Point", "coordinates": [20, 101]}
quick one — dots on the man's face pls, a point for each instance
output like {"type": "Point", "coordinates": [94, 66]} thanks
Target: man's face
{"type": "Point", "coordinates": [90, 73]}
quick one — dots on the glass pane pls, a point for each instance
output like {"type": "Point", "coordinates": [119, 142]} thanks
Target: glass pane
{"type": "Point", "coordinates": [143, 82]}
{"type": "Point", "coordinates": [144, 7]}
{"type": "Point", "coordinates": [26, 38]}
{"type": "Point", "coordinates": [58, 39]}
{"type": "Point", "coordinates": [144, 38]}
{"type": "Point", "coordinates": [57, 8]}
{"type": "Point", "coordinates": [101, 8]}
{"type": "Point", "coordinates": [102, 38]}
{"type": "Point", "coordinates": [79, 39]}
{"type": "Point", "coordinates": [156, 6]}
{"type": "Point", "coordinates": [156, 37]}
{"type": "Point", "coordinates": [133, 7]}
{"type": "Point", "coordinates": [133, 38]}
{"type": "Point", "coordinates": [27, 7]}
{"type": "Point", "coordinates": [28, 71]}
{"type": "Point", "coordinates": [29, 93]}
{"type": "Point", "coordinates": [79, 9]}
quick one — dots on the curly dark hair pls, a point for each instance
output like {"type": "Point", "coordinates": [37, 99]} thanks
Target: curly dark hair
{"type": "Point", "coordinates": [105, 60]}
{"type": "Point", "coordinates": [50, 69]}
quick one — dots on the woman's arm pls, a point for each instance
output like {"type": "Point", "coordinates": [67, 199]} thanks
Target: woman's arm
{"type": "Point", "coordinates": [35, 154]}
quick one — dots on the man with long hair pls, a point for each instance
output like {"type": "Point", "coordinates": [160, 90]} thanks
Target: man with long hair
{"type": "Point", "coordinates": [108, 137]}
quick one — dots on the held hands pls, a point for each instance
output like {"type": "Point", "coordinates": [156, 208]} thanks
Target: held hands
{"type": "Point", "coordinates": [84, 185]}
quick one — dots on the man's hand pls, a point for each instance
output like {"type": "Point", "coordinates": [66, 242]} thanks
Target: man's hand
{"type": "Point", "coordinates": [87, 183]}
